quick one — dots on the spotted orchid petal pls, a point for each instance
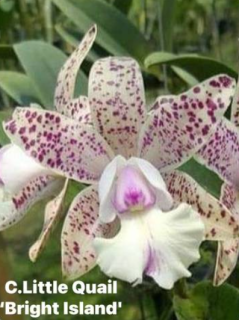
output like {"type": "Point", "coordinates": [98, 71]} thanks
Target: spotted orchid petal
{"type": "Point", "coordinates": [218, 220]}
{"type": "Point", "coordinates": [13, 208]}
{"type": "Point", "coordinates": [117, 101]}
{"type": "Point", "coordinates": [160, 244]}
{"type": "Point", "coordinates": [65, 87]}
{"type": "Point", "coordinates": [59, 143]}
{"type": "Point", "coordinates": [227, 135]}
{"type": "Point", "coordinates": [17, 169]}
{"type": "Point", "coordinates": [235, 107]}
{"type": "Point", "coordinates": [52, 216]}
{"type": "Point", "coordinates": [179, 128]}
{"type": "Point", "coordinates": [163, 100]}
{"type": "Point", "coordinates": [81, 226]}
{"type": "Point", "coordinates": [228, 251]}
{"type": "Point", "coordinates": [221, 153]}
{"type": "Point", "coordinates": [80, 110]}
{"type": "Point", "coordinates": [135, 174]}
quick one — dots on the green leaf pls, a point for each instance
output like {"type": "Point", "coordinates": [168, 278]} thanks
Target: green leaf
{"type": "Point", "coordinates": [198, 66]}
{"type": "Point", "coordinates": [42, 63]}
{"type": "Point", "coordinates": [206, 302]}
{"type": "Point", "coordinates": [4, 115]}
{"type": "Point", "coordinates": [206, 178]}
{"type": "Point", "coordinates": [116, 33]}
{"type": "Point", "coordinates": [185, 76]}
{"type": "Point", "coordinates": [123, 5]}
{"type": "Point", "coordinates": [19, 87]}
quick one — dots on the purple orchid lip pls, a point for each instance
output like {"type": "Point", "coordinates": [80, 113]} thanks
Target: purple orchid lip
{"type": "Point", "coordinates": [132, 192]}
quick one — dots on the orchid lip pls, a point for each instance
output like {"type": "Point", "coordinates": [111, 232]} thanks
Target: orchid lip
{"type": "Point", "coordinates": [132, 192]}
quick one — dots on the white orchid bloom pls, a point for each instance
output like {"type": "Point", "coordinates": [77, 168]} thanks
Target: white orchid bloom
{"type": "Point", "coordinates": [129, 157]}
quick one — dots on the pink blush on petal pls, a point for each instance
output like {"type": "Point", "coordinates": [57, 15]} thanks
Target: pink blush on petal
{"type": "Point", "coordinates": [132, 192]}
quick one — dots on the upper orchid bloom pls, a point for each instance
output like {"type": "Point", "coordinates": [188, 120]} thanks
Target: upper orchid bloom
{"type": "Point", "coordinates": [221, 154]}
{"type": "Point", "coordinates": [129, 157]}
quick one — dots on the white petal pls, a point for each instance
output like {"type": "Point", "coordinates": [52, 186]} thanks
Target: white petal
{"type": "Point", "coordinates": [123, 256]}
{"type": "Point", "coordinates": [13, 209]}
{"type": "Point", "coordinates": [177, 236]}
{"type": "Point", "coordinates": [163, 245]}
{"type": "Point", "coordinates": [17, 169]}
{"type": "Point", "coordinates": [107, 212]}
{"type": "Point", "coordinates": [164, 199]}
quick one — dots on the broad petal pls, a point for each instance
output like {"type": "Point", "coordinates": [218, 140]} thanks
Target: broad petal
{"type": "Point", "coordinates": [60, 143]}
{"type": "Point", "coordinates": [67, 77]}
{"type": "Point", "coordinates": [12, 210]}
{"type": "Point", "coordinates": [79, 109]}
{"type": "Point", "coordinates": [116, 94]}
{"type": "Point", "coordinates": [53, 213]}
{"type": "Point", "coordinates": [221, 153]}
{"type": "Point", "coordinates": [218, 220]}
{"type": "Point", "coordinates": [164, 255]}
{"type": "Point", "coordinates": [177, 129]}
{"type": "Point", "coordinates": [81, 226]}
{"type": "Point", "coordinates": [228, 251]}
{"type": "Point", "coordinates": [17, 168]}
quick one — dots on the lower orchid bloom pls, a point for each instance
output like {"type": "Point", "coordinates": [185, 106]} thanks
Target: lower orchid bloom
{"type": "Point", "coordinates": [139, 215]}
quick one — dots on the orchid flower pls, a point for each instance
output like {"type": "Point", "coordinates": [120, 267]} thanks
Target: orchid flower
{"type": "Point", "coordinates": [221, 155]}
{"type": "Point", "coordinates": [139, 215]}
{"type": "Point", "coordinates": [24, 181]}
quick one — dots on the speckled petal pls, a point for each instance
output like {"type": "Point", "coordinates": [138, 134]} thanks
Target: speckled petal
{"type": "Point", "coordinates": [218, 220]}
{"type": "Point", "coordinates": [81, 226]}
{"type": "Point", "coordinates": [80, 110]}
{"type": "Point", "coordinates": [177, 129]}
{"type": "Point", "coordinates": [116, 94]}
{"type": "Point", "coordinates": [221, 153]}
{"type": "Point", "coordinates": [67, 77]}
{"type": "Point", "coordinates": [235, 107]}
{"type": "Point", "coordinates": [163, 100]}
{"type": "Point", "coordinates": [13, 209]}
{"type": "Point", "coordinates": [228, 251]}
{"type": "Point", "coordinates": [59, 143]}
{"type": "Point", "coordinates": [53, 213]}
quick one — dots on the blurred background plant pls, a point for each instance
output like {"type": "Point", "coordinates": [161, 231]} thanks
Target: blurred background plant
{"type": "Point", "coordinates": [177, 43]}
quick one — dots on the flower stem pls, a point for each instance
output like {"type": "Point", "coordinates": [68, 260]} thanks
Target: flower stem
{"type": "Point", "coordinates": [162, 43]}
{"type": "Point", "coordinates": [181, 289]}
{"type": "Point", "coordinates": [48, 21]}
{"type": "Point", "coordinates": [163, 305]}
